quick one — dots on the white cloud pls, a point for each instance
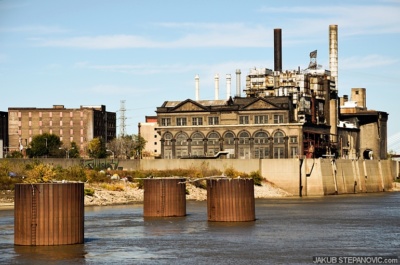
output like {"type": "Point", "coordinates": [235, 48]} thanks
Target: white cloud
{"type": "Point", "coordinates": [35, 29]}
{"type": "Point", "coordinates": [370, 61]}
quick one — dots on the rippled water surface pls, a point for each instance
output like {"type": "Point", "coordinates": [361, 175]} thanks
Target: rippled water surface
{"type": "Point", "coordinates": [287, 231]}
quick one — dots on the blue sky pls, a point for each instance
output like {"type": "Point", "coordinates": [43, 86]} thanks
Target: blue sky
{"type": "Point", "coordinates": [100, 52]}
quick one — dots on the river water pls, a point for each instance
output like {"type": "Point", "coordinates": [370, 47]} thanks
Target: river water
{"type": "Point", "coordinates": [286, 231]}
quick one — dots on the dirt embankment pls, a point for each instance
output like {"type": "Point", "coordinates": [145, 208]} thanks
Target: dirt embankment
{"type": "Point", "coordinates": [124, 193]}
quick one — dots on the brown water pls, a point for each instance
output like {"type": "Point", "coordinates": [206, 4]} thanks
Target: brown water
{"type": "Point", "coordinates": [287, 231]}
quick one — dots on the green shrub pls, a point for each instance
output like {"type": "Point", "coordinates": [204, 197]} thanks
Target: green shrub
{"type": "Point", "coordinates": [255, 175]}
{"type": "Point", "coordinates": [89, 192]}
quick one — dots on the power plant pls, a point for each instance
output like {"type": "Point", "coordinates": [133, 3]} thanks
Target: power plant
{"type": "Point", "coordinates": [283, 114]}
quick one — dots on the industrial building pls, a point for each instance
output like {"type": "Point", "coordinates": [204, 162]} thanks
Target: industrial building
{"type": "Point", "coordinates": [148, 131]}
{"type": "Point", "coordinates": [283, 114]}
{"type": "Point", "coordinates": [71, 125]}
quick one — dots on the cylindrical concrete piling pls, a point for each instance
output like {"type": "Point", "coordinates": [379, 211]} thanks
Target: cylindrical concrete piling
{"type": "Point", "coordinates": [230, 200]}
{"type": "Point", "coordinates": [164, 197]}
{"type": "Point", "coordinates": [48, 214]}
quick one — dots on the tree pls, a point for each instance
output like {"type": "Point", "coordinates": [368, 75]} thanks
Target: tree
{"type": "Point", "coordinates": [140, 144]}
{"type": "Point", "coordinates": [97, 148]}
{"type": "Point", "coordinates": [74, 151]}
{"type": "Point", "coordinates": [122, 147]}
{"type": "Point", "coordinates": [45, 145]}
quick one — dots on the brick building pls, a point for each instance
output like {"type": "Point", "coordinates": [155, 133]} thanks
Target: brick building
{"type": "Point", "coordinates": [71, 125]}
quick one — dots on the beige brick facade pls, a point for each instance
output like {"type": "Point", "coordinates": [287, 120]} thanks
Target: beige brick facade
{"type": "Point", "coordinates": [71, 125]}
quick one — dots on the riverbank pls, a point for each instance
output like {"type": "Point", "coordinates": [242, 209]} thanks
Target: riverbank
{"type": "Point", "coordinates": [125, 193]}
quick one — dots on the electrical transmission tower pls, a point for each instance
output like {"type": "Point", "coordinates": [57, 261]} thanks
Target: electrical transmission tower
{"type": "Point", "coordinates": [122, 119]}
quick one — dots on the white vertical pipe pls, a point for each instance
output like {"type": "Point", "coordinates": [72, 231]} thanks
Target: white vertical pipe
{"type": "Point", "coordinates": [238, 72]}
{"type": "Point", "coordinates": [197, 81]}
{"type": "Point", "coordinates": [228, 86]}
{"type": "Point", "coordinates": [216, 80]}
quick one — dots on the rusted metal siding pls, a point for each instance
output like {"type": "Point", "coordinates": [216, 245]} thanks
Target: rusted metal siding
{"type": "Point", "coordinates": [230, 200]}
{"type": "Point", "coordinates": [49, 214]}
{"type": "Point", "coordinates": [164, 197]}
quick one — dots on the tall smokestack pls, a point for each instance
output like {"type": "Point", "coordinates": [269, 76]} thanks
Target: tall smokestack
{"type": "Point", "coordinates": [278, 50]}
{"type": "Point", "coordinates": [228, 86]}
{"type": "Point", "coordinates": [238, 72]}
{"type": "Point", "coordinates": [197, 81]}
{"type": "Point", "coordinates": [333, 53]}
{"type": "Point", "coordinates": [333, 67]}
{"type": "Point", "coordinates": [216, 81]}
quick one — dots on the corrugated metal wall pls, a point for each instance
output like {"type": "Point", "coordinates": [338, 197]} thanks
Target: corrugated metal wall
{"type": "Point", "coordinates": [49, 214]}
{"type": "Point", "coordinates": [230, 200]}
{"type": "Point", "coordinates": [164, 197]}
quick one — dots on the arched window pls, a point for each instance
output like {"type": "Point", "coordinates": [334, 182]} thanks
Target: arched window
{"type": "Point", "coordinates": [278, 138]}
{"type": "Point", "coordinates": [181, 146]}
{"type": "Point", "coordinates": [197, 139]}
{"type": "Point", "coordinates": [244, 145]}
{"type": "Point", "coordinates": [261, 146]}
{"type": "Point", "coordinates": [181, 139]}
{"type": "Point", "coordinates": [279, 145]}
{"type": "Point", "coordinates": [229, 138]}
{"type": "Point", "coordinates": [212, 144]}
{"type": "Point", "coordinates": [229, 144]}
{"type": "Point", "coordinates": [167, 138]}
{"type": "Point", "coordinates": [167, 145]}
{"type": "Point", "coordinates": [197, 144]}
{"type": "Point", "coordinates": [244, 138]}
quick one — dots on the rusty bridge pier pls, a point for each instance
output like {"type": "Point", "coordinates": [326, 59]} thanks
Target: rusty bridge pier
{"type": "Point", "coordinates": [48, 214]}
{"type": "Point", "coordinates": [164, 197]}
{"type": "Point", "coordinates": [230, 200]}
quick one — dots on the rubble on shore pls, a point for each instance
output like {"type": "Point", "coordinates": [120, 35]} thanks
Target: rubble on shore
{"type": "Point", "coordinates": [121, 192]}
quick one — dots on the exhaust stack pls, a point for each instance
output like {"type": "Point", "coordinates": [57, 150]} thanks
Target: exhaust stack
{"type": "Point", "coordinates": [238, 72]}
{"type": "Point", "coordinates": [197, 82]}
{"type": "Point", "coordinates": [278, 50]}
{"type": "Point", "coordinates": [216, 81]}
{"type": "Point", "coordinates": [228, 86]}
{"type": "Point", "coordinates": [333, 53]}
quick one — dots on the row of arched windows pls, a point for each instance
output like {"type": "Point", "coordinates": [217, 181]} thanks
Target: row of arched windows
{"type": "Point", "coordinates": [260, 144]}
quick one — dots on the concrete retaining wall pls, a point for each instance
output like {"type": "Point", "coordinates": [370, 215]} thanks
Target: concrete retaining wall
{"type": "Point", "coordinates": [315, 177]}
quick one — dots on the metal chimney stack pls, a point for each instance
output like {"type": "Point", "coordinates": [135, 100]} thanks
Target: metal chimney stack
{"type": "Point", "coordinates": [333, 53]}
{"type": "Point", "coordinates": [216, 81]}
{"type": "Point", "coordinates": [278, 50]}
{"type": "Point", "coordinates": [197, 81]}
{"type": "Point", "coordinates": [333, 67]}
{"type": "Point", "coordinates": [228, 86]}
{"type": "Point", "coordinates": [238, 72]}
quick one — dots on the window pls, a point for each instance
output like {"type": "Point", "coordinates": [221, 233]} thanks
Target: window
{"type": "Point", "coordinates": [197, 121]}
{"type": "Point", "coordinates": [293, 139]}
{"type": "Point", "coordinates": [261, 119]}
{"type": "Point", "coordinates": [278, 138]}
{"type": "Point", "coordinates": [243, 119]}
{"type": "Point", "coordinates": [213, 120]}
{"type": "Point", "coordinates": [165, 121]}
{"type": "Point", "coordinates": [197, 139]}
{"type": "Point", "coordinates": [229, 138]}
{"type": "Point", "coordinates": [181, 139]}
{"type": "Point", "coordinates": [278, 152]}
{"type": "Point", "coordinates": [155, 143]}
{"type": "Point", "coordinates": [293, 151]}
{"type": "Point", "coordinates": [278, 118]}
{"type": "Point", "coordinates": [244, 138]}
{"type": "Point", "coordinates": [181, 121]}
{"type": "Point", "coordinates": [168, 139]}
